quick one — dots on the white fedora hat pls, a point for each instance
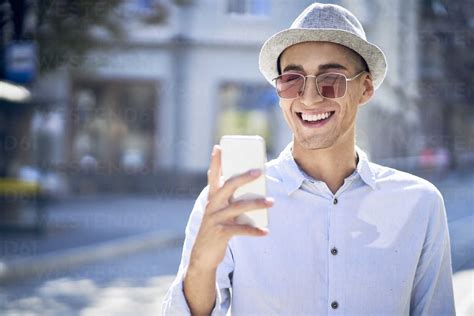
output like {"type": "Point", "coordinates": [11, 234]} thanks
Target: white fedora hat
{"type": "Point", "coordinates": [328, 23]}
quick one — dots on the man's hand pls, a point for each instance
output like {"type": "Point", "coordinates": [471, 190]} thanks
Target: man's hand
{"type": "Point", "coordinates": [218, 223]}
{"type": "Point", "coordinates": [217, 228]}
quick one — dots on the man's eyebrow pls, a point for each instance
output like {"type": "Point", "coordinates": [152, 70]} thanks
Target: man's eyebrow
{"type": "Point", "coordinates": [293, 67]}
{"type": "Point", "coordinates": [332, 66]}
{"type": "Point", "coordinates": [321, 67]}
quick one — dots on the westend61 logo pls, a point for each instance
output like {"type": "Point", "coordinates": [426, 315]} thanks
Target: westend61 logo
{"type": "Point", "coordinates": [126, 114]}
{"type": "Point", "coordinates": [14, 143]}
{"type": "Point", "coordinates": [90, 9]}
{"type": "Point", "coordinates": [103, 168]}
{"type": "Point", "coordinates": [16, 247]}
{"type": "Point", "coordinates": [97, 9]}
{"type": "Point", "coordinates": [453, 36]}
{"type": "Point", "coordinates": [448, 89]}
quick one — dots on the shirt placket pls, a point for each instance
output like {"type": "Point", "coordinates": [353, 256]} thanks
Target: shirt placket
{"type": "Point", "coordinates": [333, 251]}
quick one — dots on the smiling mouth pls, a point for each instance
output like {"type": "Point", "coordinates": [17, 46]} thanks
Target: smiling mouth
{"type": "Point", "coordinates": [315, 120]}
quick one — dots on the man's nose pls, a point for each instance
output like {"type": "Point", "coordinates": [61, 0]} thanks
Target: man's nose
{"type": "Point", "coordinates": [310, 94]}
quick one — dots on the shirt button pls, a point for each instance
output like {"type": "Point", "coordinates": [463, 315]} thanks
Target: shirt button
{"type": "Point", "coordinates": [334, 251]}
{"type": "Point", "coordinates": [334, 305]}
{"type": "Point", "coordinates": [334, 201]}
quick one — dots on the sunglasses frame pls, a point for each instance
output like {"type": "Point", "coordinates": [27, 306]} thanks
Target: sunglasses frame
{"type": "Point", "coordinates": [316, 82]}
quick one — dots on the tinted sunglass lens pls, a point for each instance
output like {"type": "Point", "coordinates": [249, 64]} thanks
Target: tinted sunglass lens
{"type": "Point", "coordinates": [332, 85]}
{"type": "Point", "coordinates": [289, 85]}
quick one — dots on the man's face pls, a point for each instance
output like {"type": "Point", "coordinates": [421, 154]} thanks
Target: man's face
{"type": "Point", "coordinates": [314, 58]}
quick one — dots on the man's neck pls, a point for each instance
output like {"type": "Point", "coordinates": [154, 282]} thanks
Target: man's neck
{"type": "Point", "coordinates": [330, 165]}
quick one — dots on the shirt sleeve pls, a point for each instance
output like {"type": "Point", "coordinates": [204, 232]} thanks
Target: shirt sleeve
{"type": "Point", "coordinates": [433, 285]}
{"type": "Point", "coordinates": [174, 302]}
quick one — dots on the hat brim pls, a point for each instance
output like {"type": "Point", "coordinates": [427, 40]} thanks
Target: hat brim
{"type": "Point", "coordinates": [276, 44]}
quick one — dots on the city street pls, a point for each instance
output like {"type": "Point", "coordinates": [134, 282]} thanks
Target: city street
{"type": "Point", "coordinates": [135, 284]}
{"type": "Point", "coordinates": [109, 111]}
{"type": "Point", "coordinates": [132, 285]}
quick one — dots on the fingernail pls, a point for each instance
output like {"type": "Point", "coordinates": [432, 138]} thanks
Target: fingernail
{"type": "Point", "coordinates": [255, 172]}
{"type": "Point", "coordinates": [269, 200]}
{"type": "Point", "coordinates": [214, 149]}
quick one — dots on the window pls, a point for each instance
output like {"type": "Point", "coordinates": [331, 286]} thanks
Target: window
{"type": "Point", "coordinates": [248, 109]}
{"type": "Point", "coordinates": [148, 11]}
{"type": "Point", "coordinates": [113, 124]}
{"type": "Point", "coordinates": [249, 7]}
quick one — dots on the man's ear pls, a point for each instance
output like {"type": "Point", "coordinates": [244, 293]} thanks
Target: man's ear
{"type": "Point", "coordinates": [367, 89]}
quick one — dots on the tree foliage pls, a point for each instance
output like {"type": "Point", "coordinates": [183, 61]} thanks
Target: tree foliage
{"type": "Point", "coordinates": [65, 28]}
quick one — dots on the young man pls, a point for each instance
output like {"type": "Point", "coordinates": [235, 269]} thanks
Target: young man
{"type": "Point", "coordinates": [345, 235]}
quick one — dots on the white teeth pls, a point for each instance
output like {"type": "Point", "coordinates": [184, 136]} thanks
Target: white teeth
{"type": "Point", "coordinates": [308, 117]}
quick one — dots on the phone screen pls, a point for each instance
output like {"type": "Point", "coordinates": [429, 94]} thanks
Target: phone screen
{"type": "Point", "coordinates": [241, 153]}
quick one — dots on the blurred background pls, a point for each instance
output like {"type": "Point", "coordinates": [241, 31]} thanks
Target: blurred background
{"type": "Point", "coordinates": [109, 111]}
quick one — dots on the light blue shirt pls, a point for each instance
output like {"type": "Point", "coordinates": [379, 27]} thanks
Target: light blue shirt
{"type": "Point", "coordinates": [378, 246]}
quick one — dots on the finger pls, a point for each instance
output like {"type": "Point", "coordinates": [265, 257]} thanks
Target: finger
{"type": "Point", "coordinates": [213, 174]}
{"type": "Point", "coordinates": [232, 184]}
{"type": "Point", "coordinates": [245, 230]}
{"type": "Point", "coordinates": [242, 206]}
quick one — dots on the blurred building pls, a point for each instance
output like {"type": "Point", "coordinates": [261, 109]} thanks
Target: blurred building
{"type": "Point", "coordinates": [146, 109]}
{"type": "Point", "coordinates": [388, 126]}
{"type": "Point", "coordinates": [446, 82]}
{"type": "Point", "coordinates": [20, 191]}
{"type": "Point", "coordinates": [17, 72]}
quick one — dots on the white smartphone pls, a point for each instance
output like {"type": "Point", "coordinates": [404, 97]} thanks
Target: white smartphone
{"type": "Point", "coordinates": [241, 153]}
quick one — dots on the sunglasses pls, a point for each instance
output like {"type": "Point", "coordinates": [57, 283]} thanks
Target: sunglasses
{"type": "Point", "coordinates": [330, 85]}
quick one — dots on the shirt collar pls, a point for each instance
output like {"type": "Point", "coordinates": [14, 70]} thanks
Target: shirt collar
{"type": "Point", "coordinates": [293, 177]}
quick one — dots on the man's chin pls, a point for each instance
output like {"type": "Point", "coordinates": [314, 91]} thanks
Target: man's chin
{"type": "Point", "coordinates": [312, 144]}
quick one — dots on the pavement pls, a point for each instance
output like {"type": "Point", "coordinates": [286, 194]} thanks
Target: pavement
{"type": "Point", "coordinates": [93, 228]}
{"type": "Point", "coordinates": [115, 255]}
